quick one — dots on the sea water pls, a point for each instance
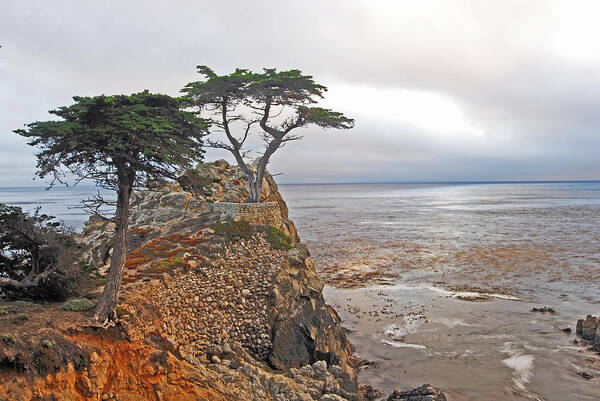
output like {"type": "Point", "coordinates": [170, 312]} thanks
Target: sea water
{"type": "Point", "coordinates": [65, 203]}
{"type": "Point", "coordinates": [436, 282]}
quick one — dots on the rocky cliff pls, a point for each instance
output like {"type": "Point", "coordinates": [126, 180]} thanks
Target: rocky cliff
{"type": "Point", "coordinates": [220, 302]}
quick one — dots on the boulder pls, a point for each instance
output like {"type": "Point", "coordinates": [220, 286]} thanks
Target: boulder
{"type": "Point", "coordinates": [588, 328]}
{"type": "Point", "coordinates": [424, 393]}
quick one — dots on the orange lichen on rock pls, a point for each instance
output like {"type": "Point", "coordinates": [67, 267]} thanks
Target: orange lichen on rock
{"type": "Point", "coordinates": [140, 230]}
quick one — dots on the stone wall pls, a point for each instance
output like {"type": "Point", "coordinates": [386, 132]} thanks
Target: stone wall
{"type": "Point", "coordinates": [266, 213]}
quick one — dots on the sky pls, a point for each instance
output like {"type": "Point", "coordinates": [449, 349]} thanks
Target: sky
{"type": "Point", "coordinates": [440, 90]}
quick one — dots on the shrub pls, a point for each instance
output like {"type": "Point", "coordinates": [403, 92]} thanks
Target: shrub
{"type": "Point", "coordinates": [87, 267]}
{"type": "Point", "coordinates": [21, 317]}
{"type": "Point", "coordinates": [195, 182]}
{"type": "Point", "coordinates": [8, 339]}
{"type": "Point", "coordinates": [23, 304]}
{"type": "Point", "coordinates": [278, 239]}
{"type": "Point", "coordinates": [233, 229]}
{"type": "Point", "coordinates": [77, 305]}
{"type": "Point", "coordinates": [4, 310]}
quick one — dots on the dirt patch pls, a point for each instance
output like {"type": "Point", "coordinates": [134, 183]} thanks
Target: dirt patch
{"type": "Point", "coordinates": [33, 340]}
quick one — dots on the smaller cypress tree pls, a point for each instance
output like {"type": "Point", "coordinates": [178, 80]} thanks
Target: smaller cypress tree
{"type": "Point", "coordinates": [120, 142]}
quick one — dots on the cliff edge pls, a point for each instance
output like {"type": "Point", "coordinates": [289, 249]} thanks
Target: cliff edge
{"type": "Point", "coordinates": [220, 301]}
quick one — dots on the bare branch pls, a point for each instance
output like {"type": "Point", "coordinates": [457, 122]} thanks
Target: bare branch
{"type": "Point", "coordinates": [95, 205]}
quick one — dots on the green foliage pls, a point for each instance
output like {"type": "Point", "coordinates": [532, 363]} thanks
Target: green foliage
{"type": "Point", "coordinates": [77, 305]}
{"type": "Point", "coordinates": [8, 339]}
{"type": "Point", "coordinates": [278, 239]}
{"type": "Point", "coordinates": [262, 90]}
{"type": "Point", "coordinates": [23, 304]}
{"type": "Point", "coordinates": [233, 229]}
{"type": "Point", "coordinates": [15, 307]}
{"type": "Point", "coordinates": [276, 101]}
{"type": "Point", "coordinates": [47, 344]}
{"type": "Point", "coordinates": [30, 244]}
{"type": "Point", "coordinates": [194, 181]}
{"type": "Point", "coordinates": [166, 265]}
{"type": "Point", "coordinates": [21, 317]}
{"type": "Point", "coordinates": [137, 137]}
{"type": "Point", "coordinates": [100, 281]}
{"type": "Point", "coordinates": [87, 267]}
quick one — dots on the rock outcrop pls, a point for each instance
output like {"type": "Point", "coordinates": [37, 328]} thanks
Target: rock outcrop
{"type": "Point", "coordinates": [424, 393]}
{"type": "Point", "coordinates": [589, 330]}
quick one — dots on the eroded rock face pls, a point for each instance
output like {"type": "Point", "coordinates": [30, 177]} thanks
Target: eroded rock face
{"type": "Point", "coordinates": [424, 393]}
{"type": "Point", "coordinates": [304, 327]}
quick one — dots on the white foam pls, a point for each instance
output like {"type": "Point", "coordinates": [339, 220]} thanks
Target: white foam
{"type": "Point", "coordinates": [454, 294]}
{"type": "Point", "coordinates": [397, 344]}
{"type": "Point", "coordinates": [412, 325]}
{"type": "Point", "coordinates": [452, 322]}
{"type": "Point", "coordinates": [523, 369]}
{"type": "Point", "coordinates": [521, 364]}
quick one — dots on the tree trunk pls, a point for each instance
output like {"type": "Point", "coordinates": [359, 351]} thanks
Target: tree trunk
{"type": "Point", "coordinates": [261, 168]}
{"type": "Point", "coordinates": [254, 196]}
{"type": "Point", "coordinates": [105, 309]}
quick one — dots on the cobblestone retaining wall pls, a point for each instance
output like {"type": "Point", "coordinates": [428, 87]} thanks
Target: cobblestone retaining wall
{"type": "Point", "coordinates": [266, 213]}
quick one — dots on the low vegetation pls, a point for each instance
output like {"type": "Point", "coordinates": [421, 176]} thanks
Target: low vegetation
{"type": "Point", "coordinates": [77, 305]}
{"type": "Point", "coordinates": [8, 339]}
{"type": "Point", "coordinates": [278, 239]}
{"type": "Point", "coordinates": [21, 317]}
{"type": "Point", "coordinates": [233, 229]}
{"type": "Point", "coordinates": [196, 182]}
{"type": "Point", "coordinates": [36, 256]}
{"type": "Point", "coordinates": [241, 229]}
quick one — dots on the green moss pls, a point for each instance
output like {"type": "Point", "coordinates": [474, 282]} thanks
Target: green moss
{"type": "Point", "coordinates": [47, 344]}
{"type": "Point", "coordinates": [77, 305]}
{"type": "Point", "coordinates": [278, 239]}
{"type": "Point", "coordinates": [233, 229]}
{"type": "Point", "coordinates": [8, 339]}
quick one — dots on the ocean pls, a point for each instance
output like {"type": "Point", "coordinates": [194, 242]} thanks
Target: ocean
{"type": "Point", "coordinates": [436, 282]}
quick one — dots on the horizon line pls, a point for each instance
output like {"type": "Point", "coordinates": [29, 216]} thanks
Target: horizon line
{"type": "Point", "coordinates": [375, 183]}
{"type": "Point", "coordinates": [443, 182]}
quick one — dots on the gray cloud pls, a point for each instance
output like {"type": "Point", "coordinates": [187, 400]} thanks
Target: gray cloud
{"type": "Point", "coordinates": [521, 78]}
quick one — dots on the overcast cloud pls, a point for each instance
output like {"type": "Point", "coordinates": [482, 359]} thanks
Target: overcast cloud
{"type": "Point", "coordinates": [440, 90]}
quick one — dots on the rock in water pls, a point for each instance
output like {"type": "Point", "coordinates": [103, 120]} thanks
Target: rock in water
{"type": "Point", "coordinates": [544, 309]}
{"type": "Point", "coordinates": [585, 375]}
{"type": "Point", "coordinates": [424, 393]}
